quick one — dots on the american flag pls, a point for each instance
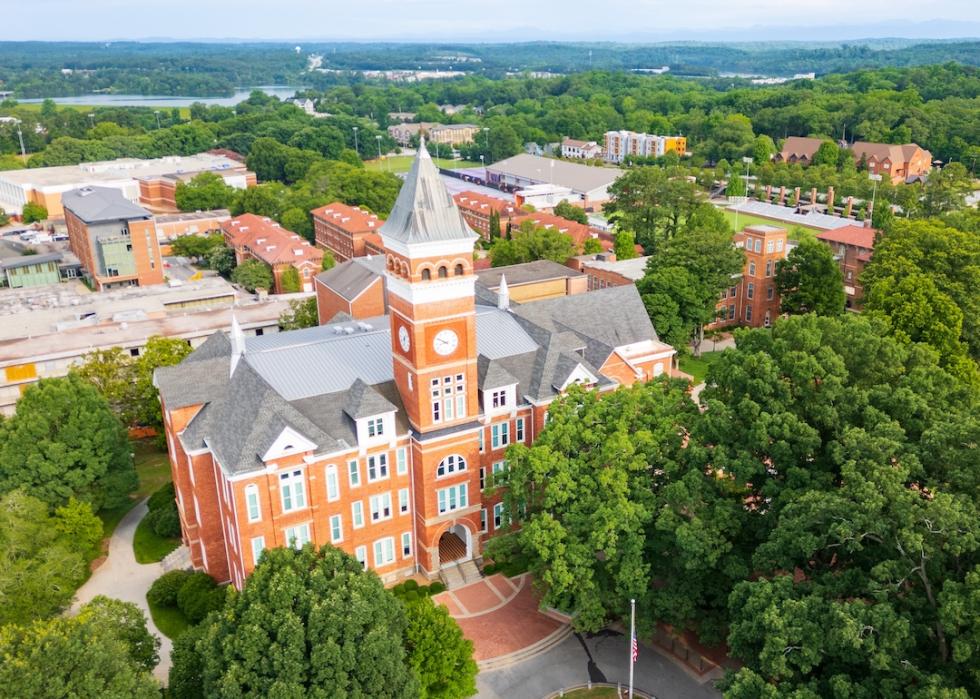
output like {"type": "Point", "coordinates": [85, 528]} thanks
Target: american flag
{"type": "Point", "coordinates": [636, 650]}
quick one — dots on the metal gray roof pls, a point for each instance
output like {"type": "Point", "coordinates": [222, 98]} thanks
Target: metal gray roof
{"type": "Point", "coordinates": [787, 214]}
{"type": "Point", "coordinates": [28, 260]}
{"type": "Point", "coordinates": [351, 278]}
{"type": "Point", "coordinates": [424, 211]}
{"type": "Point", "coordinates": [539, 270]}
{"type": "Point", "coordinates": [498, 335]}
{"type": "Point", "coordinates": [95, 204]}
{"type": "Point", "coordinates": [578, 177]}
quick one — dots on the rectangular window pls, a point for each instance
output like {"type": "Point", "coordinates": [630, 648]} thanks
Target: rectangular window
{"type": "Point", "coordinates": [499, 467]}
{"type": "Point", "coordinates": [758, 244]}
{"type": "Point", "coordinates": [353, 473]}
{"type": "Point", "coordinates": [360, 553]}
{"type": "Point", "coordinates": [333, 485]}
{"type": "Point", "coordinates": [483, 478]}
{"type": "Point", "coordinates": [357, 513]}
{"type": "Point", "coordinates": [336, 530]}
{"type": "Point", "coordinates": [498, 399]}
{"type": "Point", "coordinates": [376, 426]}
{"type": "Point", "coordinates": [500, 435]}
{"type": "Point", "coordinates": [403, 504]}
{"type": "Point", "coordinates": [498, 515]}
{"type": "Point", "coordinates": [750, 290]}
{"type": "Point", "coordinates": [252, 503]}
{"type": "Point", "coordinates": [483, 520]}
{"type": "Point", "coordinates": [258, 546]}
{"type": "Point", "coordinates": [769, 266]}
{"type": "Point", "coordinates": [297, 536]}
{"type": "Point", "coordinates": [292, 490]}
{"type": "Point", "coordinates": [748, 313]}
{"type": "Point", "coordinates": [377, 467]}
{"type": "Point", "coordinates": [769, 244]}
{"type": "Point", "coordinates": [779, 245]}
{"type": "Point", "coordinates": [752, 269]}
{"type": "Point", "coordinates": [733, 291]}
{"type": "Point", "coordinates": [407, 545]}
{"type": "Point", "coordinates": [384, 552]}
{"type": "Point", "coordinates": [402, 460]}
{"type": "Point", "coordinates": [519, 431]}
{"type": "Point", "coordinates": [769, 292]}
{"type": "Point", "coordinates": [380, 507]}
{"type": "Point", "coordinates": [452, 498]}
{"type": "Point", "coordinates": [731, 312]}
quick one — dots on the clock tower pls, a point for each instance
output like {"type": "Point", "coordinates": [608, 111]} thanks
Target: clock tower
{"type": "Point", "coordinates": [431, 306]}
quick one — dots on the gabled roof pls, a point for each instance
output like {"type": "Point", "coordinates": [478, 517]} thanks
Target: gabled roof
{"type": "Point", "coordinates": [424, 212]}
{"type": "Point", "coordinates": [352, 219]}
{"type": "Point", "coordinates": [350, 279]}
{"type": "Point", "coordinates": [363, 401]}
{"type": "Point", "coordinates": [801, 147]}
{"type": "Point", "coordinates": [858, 236]}
{"type": "Point", "coordinates": [492, 374]}
{"type": "Point", "coordinates": [98, 204]}
{"type": "Point", "coordinates": [269, 241]}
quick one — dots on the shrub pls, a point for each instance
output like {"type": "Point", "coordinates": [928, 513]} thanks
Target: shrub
{"type": "Point", "coordinates": [198, 597]}
{"type": "Point", "coordinates": [164, 590]}
{"type": "Point", "coordinates": [410, 596]}
{"type": "Point", "coordinates": [410, 585]}
{"type": "Point", "coordinates": [162, 497]}
{"type": "Point", "coordinates": [436, 587]}
{"type": "Point", "coordinates": [165, 522]}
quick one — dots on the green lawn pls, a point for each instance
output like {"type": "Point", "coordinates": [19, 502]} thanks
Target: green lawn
{"type": "Point", "coordinates": [149, 546]}
{"type": "Point", "coordinates": [170, 620]}
{"type": "Point", "coordinates": [402, 163]}
{"type": "Point", "coordinates": [594, 693]}
{"type": "Point", "coordinates": [153, 470]}
{"type": "Point", "coordinates": [698, 367]}
{"type": "Point", "coordinates": [750, 220]}
{"type": "Point", "coordinates": [185, 112]}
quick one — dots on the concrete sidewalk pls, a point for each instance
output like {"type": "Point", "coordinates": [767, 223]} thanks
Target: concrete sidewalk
{"type": "Point", "coordinates": [122, 578]}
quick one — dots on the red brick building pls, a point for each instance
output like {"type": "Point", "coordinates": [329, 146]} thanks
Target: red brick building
{"type": "Point", "coordinates": [578, 232]}
{"type": "Point", "coordinates": [852, 247]}
{"type": "Point", "coordinates": [477, 208]}
{"type": "Point", "coordinates": [260, 238]}
{"type": "Point", "coordinates": [752, 300]}
{"type": "Point", "coordinates": [898, 162]}
{"type": "Point", "coordinates": [355, 288]}
{"type": "Point", "coordinates": [379, 435]}
{"type": "Point", "coordinates": [115, 240]}
{"type": "Point", "coordinates": [342, 229]}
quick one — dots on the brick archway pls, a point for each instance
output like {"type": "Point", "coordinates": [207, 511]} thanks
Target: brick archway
{"type": "Point", "coordinates": [456, 543]}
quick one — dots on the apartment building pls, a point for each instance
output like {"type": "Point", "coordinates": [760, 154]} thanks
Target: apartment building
{"type": "Point", "coordinates": [752, 299]}
{"type": "Point", "coordinates": [852, 247]}
{"type": "Point", "coordinates": [619, 145]}
{"type": "Point", "coordinates": [379, 435]}
{"type": "Point", "coordinates": [114, 239]}
{"type": "Point", "coordinates": [343, 229]}
{"type": "Point", "coordinates": [260, 238]}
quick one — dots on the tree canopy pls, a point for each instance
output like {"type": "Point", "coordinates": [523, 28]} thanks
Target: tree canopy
{"type": "Point", "coordinates": [439, 654]}
{"type": "Point", "coordinates": [204, 192]}
{"type": "Point", "coordinates": [528, 243]}
{"type": "Point", "coordinates": [302, 313]}
{"type": "Point", "coordinates": [252, 275]}
{"type": "Point", "coordinates": [809, 280]}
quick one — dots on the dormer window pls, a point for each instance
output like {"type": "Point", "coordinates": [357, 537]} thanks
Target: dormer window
{"type": "Point", "coordinates": [498, 399]}
{"type": "Point", "coordinates": [375, 427]}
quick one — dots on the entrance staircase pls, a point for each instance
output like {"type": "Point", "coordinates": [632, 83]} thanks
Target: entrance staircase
{"type": "Point", "coordinates": [460, 573]}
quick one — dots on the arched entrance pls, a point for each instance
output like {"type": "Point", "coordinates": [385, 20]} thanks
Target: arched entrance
{"type": "Point", "coordinates": [455, 544]}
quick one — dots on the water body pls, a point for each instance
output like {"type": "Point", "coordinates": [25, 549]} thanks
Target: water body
{"type": "Point", "coordinates": [167, 101]}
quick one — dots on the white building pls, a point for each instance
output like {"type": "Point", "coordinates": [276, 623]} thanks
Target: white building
{"type": "Point", "coordinates": [585, 150]}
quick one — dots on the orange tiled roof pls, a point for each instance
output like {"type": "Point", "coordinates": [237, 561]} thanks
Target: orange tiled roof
{"type": "Point", "coordinates": [858, 236]}
{"type": "Point", "coordinates": [474, 201]}
{"type": "Point", "coordinates": [579, 232]}
{"type": "Point", "coordinates": [268, 241]}
{"type": "Point", "coordinates": [352, 219]}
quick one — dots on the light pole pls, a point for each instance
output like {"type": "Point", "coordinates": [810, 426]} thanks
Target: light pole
{"type": "Point", "coordinates": [747, 161]}
{"type": "Point", "coordinates": [20, 135]}
{"type": "Point", "coordinates": [874, 191]}
{"type": "Point", "coordinates": [356, 149]}
{"type": "Point", "coordinates": [157, 113]}
{"type": "Point", "coordinates": [486, 133]}
{"type": "Point", "coordinates": [91, 120]}
{"type": "Point", "coordinates": [378, 139]}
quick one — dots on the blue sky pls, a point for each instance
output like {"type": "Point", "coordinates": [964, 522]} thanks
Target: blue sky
{"type": "Point", "coordinates": [469, 20]}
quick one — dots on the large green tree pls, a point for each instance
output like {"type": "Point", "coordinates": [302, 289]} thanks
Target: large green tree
{"type": "Point", "coordinates": [252, 275]}
{"type": "Point", "coordinates": [571, 212]}
{"type": "Point", "coordinates": [302, 313]}
{"type": "Point", "coordinates": [308, 624]}
{"type": "Point", "coordinates": [440, 655]}
{"type": "Point", "coordinates": [204, 192]}
{"type": "Point", "coordinates": [63, 442]}
{"type": "Point", "coordinates": [529, 243]}
{"type": "Point", "coordinates": [809, 280]}
{"type": "Point", "coordinates": [652, 202]}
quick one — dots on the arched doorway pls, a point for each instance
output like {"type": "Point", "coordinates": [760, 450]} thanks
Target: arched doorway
{"type": "Point", "coordinates": [455, 544]}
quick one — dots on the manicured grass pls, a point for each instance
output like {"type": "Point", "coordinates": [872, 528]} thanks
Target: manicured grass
{"type": "Point", "coordinates": [402, 163]}
{"type": "Point", "coordinates": [185, 112]}
{"type": "Point", "coordinates": [153, 471]}
{"type": "Point", "coordinates": [150, 547]}
{"type": "Point", "coordinates": [745, 219]}
{"type": "Point", "coordinates": [594, 693]}
{"type": "Point", "coordinates": [170, 620]}
{"type": "Point", "coordinates": [698, 366]}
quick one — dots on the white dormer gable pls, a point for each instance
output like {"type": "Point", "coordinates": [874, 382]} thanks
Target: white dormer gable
{"type": "Point", "coordinates": [375, 430]}
{"type": "Point", "coordinates": [288, 442]}
{"type": "Point", "coordinates": [580, 375]}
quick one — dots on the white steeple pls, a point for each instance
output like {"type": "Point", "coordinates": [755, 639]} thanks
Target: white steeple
{"type": "Point", "coordinates": [503, 295]}
{"type": "Point", "coordinates": [237, 343]}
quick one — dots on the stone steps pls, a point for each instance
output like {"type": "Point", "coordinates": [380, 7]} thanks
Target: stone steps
{"type": "Point", "coordinates": [452, 577]}
{"type": "Point", "coordinates": [545, 644]}
{"type": "Point", "coordinates": [470, 572]}
{"type": "Point", "coordinates": [179, 558]}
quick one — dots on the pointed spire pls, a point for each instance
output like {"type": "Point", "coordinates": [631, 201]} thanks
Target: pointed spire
{"type": "Point", "coordinates": [237, 343]}
{"type": "Point", "coordinates": [503, 295]}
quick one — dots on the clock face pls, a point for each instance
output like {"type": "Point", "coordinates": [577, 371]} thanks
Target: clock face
{"type": "Point", "coordinates": [445, 342]}
{"type": "Point", "coordinates": [403, 338]}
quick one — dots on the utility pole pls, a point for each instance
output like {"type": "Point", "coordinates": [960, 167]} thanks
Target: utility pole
{"type": "Point", "coordinates": [378, 138]}
{"type": "Point", "coordinates": [20, 135]}
{"type": "Point", "coordinates": [356, 149]}
{"type": "Point", "coordinates": [157, 112]}
{"type": "Point", "coordinates": [874, 191]}
{"type": "Point", "coordinates": [486, 133]}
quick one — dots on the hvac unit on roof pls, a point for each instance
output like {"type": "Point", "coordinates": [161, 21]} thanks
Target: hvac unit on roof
{"type": "Point", "coordinates": [365, 326]}
{"type": "Point", "coordinates": [349, 331]}
{"type": "Point", "coordinates": [338, 330]}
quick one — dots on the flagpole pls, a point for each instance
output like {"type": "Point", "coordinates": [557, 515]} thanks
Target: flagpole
{"type": "Point", "coordinates": [633, 644]}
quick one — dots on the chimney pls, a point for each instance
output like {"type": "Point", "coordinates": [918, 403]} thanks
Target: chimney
{"type": "Point", "coordinates": [237, 343]}
{"type": "Point", "coordinates": [503, 295]}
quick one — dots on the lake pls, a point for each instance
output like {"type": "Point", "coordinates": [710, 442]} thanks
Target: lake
{"type": "Point", "coordinates": [167, 101]}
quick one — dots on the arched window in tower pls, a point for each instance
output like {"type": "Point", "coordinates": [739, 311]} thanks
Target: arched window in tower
{"type": "Point", "coordinates": [404, 269]}
{"type": "Point", "coordinates": [451, 464]}
{"type": "Point", "coordinates": [426, 274]}
{"type": "Point", "coordinates": [443, 272]}
{"type": "Point", "coordinates": [459, 270]}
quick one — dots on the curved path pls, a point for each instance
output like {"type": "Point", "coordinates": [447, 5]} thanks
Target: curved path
{"type": "Point", "coordinates": [122, 578]}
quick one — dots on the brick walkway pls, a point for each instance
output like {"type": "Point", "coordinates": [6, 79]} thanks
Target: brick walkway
{"type": "Point", "coordinates": [500, 615]}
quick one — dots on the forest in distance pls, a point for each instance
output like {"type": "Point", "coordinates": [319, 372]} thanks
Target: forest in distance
{"type": "Point", "coordinates": [60, 69]}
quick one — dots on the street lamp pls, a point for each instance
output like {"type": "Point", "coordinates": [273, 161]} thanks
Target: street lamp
{"type": "Point", "coordinates": [747, 161]}
{"type": "Point", "coordinates": [378, 139]}
{"type": "Point", "coordinates": [20, 135]}
{"type": "Point", "coordinates": [356, 149]}
{"type": "Point", "coordinates": [91, 120]}
{"type": "Point", "coordinates": [157, 113]}
{"type": "Point", "coordinates": [486, 133]}
{"type": "Point", "coordinates": [874, 191]}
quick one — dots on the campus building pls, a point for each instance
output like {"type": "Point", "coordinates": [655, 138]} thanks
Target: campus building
{"type": "Point", "coordinates": [260, 238]}
{"type": "Point", "coordinates": [115, 240]}
{"type": "Point", "coordinates": [343, 229]}
{"type": "Point", "coordinates": [852, 247]}
{"type": "Point", "coordinates": [582, 150]}
{"type": "Point", "coordinates": [379, 435]}
{"type": "Point", "coordinates": [619, 145]}
{"type": "Point", "coordinates": [477, 209]}
{"type": "Point", "coordinates": [585, 183]}
{"type": "Point", "coordinates": [752, 299]}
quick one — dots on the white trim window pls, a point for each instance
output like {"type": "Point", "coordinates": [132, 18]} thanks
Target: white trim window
{"type": "Point", "coordinates": [498, 399]}
{"type": "Point", "coordinates": [401, 457]}
{"type": "Point", "coordinates": [406, 544]}
{"type": "Point", "coordinates": [380, 507]}
{"type": "Point", "coordinates": [375, 427]}
{"type": "Point", "coordinates": [353, 473]}
{"type": "Point", "coordinates": [336, 529]}
{"type": "Point", "coordinates": [377, 467]}
{"type": "Point", "coordinates": [384, 552]}
{"type": "Point", "coordinates": [483, 520]}
{"type": "Point", "coordinates": [499, 435]}
{"type": "Point", "coordinates": [519, 430]}
{"type": "Point", "coordinates": [448, 397]}
{"type": "Point", "coordinates": [483, 477]}
{"type": "Point", "coordinates": [258, 546]}
{"type": "Point", "coordinates": [451, 464]}
{"type": "Point", "coordinates": [452, 498]}
{"type": "Point", "coordinates": [498, 468]}
{"type": "Point", "coordinates": [498, 515]}
{"type": "Point", "coordinates": [252, 503]}
{"type": "Point", "coordinates": [360, 553]}
{"type": "Point", "coordinates": [292, 489]}
{"type": "Point", "coordinates": [403, 501]}
{"type": "Point", "coordinates": [357, 514]}
{"type": "Point", "coordinates": [297, 536]}
{"type": "Point", "coordinates": [333, 484]}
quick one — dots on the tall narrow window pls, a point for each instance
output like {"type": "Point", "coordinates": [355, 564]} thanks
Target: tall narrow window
{"type": "Point", "coordinates": [336, 530]}
{"type": "Point", "coordinates": [377, 467]}
{"type": "Point", "coordinates": [252, 503]}
{"type": "Point", "coordinates": [357, 514]}
{"type": "Point", "coordinates": [402, 459]}
{"type": "Point", "coordinates": [407, 545]}
{"type": "Point", "coordinates": [360, 553]}
{"type": "Point", "coordinates": [519, 431]}
{"type": "Point", "coordinates": [333, 487]}
{"type": "Point", "coordinates": [258, 546]}
{"type": "Point", "coordinates": [293, 491]}
{"type": "Point", "coordinates": [353, 473]}
{"type": "Point", "coordinates": [403, 501]}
